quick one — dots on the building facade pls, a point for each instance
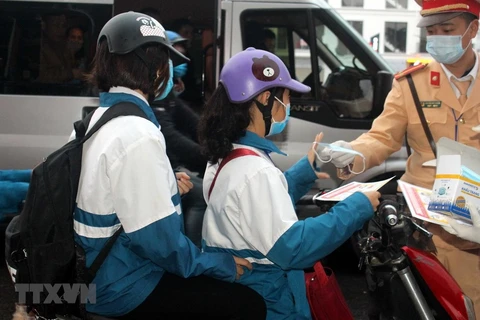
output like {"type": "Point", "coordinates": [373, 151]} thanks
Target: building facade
{"type": "Point", "coordinates": [390, 26]}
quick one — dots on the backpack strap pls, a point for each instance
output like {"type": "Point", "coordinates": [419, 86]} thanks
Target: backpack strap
{"type": "Point", "coordinates": [119, 109]}
{"type": "Point", "coordinates": [235, 153]}
{"type": "Point", "coordinates": [102, 255]}
{"type": "Point", "coordinates": [82, 125]}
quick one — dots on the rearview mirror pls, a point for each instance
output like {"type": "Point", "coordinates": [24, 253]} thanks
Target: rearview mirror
{"type": "Point", "coordinates": [383, 85]}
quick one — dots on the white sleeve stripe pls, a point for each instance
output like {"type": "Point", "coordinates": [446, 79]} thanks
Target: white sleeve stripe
{"type": "Point", "coordinates": [94, 232]}
{"type": "Point", "coordinates": [259, 261]}
{"type": "Point", "coordinates": [178, 208]}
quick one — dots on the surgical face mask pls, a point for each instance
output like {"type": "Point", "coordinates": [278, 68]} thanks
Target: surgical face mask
{"type": "Point", "coordinates": [180, 71]}
{"type": "Point", "coordinates": [278, 127]}
{"type": "Point", "coordinates": [169, 86]}
{"type": "Point", "coordinates": [446, 49]}
{"type": "Point", "coordinates": [337, 149]}
{"type": "Point", "coordinates": [74, 46]}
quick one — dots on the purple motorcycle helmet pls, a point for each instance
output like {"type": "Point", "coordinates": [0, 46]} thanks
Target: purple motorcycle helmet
{"type": "Point", "coordinates": [252, 71]}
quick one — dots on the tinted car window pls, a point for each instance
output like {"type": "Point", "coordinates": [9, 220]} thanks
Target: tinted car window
{"type": "Point", "coordinates": [47, 48]}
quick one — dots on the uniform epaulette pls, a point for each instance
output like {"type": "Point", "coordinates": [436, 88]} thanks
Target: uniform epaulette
{"type": "Point", "coordinates": [410, 70]}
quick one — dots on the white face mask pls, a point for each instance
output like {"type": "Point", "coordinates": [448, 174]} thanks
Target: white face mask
{"type": "Point", "coordinates": [334, 148]}
{"type": "Point", "coordinates": [447, 49]}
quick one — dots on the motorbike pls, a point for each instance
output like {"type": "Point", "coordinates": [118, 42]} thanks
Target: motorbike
{"type": "Point", "coordinates": [405, 279]}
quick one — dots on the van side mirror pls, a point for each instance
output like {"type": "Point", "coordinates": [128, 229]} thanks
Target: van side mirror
{"type": "Point", "coordinates": [383, 85]}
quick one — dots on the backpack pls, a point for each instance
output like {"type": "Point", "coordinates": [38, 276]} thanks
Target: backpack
{"type": "Point", "coordinates": [40, 246]}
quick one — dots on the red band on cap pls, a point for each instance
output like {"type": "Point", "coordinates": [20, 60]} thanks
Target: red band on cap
{"type": "Point", "coordinates": [447, 6]}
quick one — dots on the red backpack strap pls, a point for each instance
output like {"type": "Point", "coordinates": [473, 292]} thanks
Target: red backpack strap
{"type": "Point", "coordinates": [235, 153]}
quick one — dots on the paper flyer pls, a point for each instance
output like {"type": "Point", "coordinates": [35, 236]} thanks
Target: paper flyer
{"type": "Point", "coordinates": [347, 190]}
{"type": "Point", "coordinates": [417, 199]}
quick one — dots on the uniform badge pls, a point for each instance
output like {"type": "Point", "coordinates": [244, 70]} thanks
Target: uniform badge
{"type": "Point", "coordinates": [435, 78]}
{"type": "Point", "coordinates": [431, 104]}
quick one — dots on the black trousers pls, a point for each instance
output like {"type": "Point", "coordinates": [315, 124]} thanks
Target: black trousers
{"type": "Point", "coordinates": [198, 297]}
{"type": "Point", "coordinates": [193, 207]}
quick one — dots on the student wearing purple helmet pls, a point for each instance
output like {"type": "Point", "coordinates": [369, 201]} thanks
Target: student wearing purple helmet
{"type": "Point", "coordinates": [251, 210]}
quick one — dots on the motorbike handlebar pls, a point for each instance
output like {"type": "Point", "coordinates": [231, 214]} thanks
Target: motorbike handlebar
{"type": "Point", "coordinates": [306, 199]}
{"type": "Point", "coordinates": [312, 199]}
{"type": "Point", "coordinates": [389, 214]}
{"type": "Point", "coordinates": [391, 210]}
{"type": "Point", "coordinates": [387, 208]}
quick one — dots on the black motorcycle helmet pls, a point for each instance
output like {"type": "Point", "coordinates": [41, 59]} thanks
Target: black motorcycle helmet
{"type": "Point", "coordinates": [129, 31]}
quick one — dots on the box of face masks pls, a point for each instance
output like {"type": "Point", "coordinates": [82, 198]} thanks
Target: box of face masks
{"type": "Point", "coordinates": [456, 191]}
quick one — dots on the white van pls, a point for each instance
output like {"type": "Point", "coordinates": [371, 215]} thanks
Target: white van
{"type": "Point", "coordinates": [349, 80]}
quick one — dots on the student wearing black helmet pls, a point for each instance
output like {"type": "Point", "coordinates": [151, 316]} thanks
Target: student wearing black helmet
{"type": "Point", "coordinates": [153, 269]}
{"type": "Point", "coordinates": [179, 124]}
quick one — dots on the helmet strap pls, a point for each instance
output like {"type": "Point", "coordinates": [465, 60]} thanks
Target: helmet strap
{"type": "Point", "coordinates": [266, 110]}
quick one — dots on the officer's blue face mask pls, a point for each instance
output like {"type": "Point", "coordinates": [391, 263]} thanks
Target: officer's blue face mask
{"type": "Point", "coordinates": [180, 71]}
{"type": "Point", "coordinates": [169, 86]}
{"type": "Point", "coordinates": [446, 49]}
{"type": "Point", "coordinates": [278, 127]}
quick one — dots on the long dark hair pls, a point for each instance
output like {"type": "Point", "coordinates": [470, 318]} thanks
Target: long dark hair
{"type": "Point", "coordinates": [128, 70]}
{"type": "Point", "coordinates": [221, 124]}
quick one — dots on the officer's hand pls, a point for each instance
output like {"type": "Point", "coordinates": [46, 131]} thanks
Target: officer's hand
{"type": "Point", "coordinates": [339, 159]}
{"type": "Point", "coordinates": [466, 232]}
{"type": "Point", "coordinates": [184, 183]}
{"type": "Point", "coordinates": [240, 262]}
{"type": "Point", "coordinates": [311, 158]}
{"type": "Point", "coordinates": [374, 197]}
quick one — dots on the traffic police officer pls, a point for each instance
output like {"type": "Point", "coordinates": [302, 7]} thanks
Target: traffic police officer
{"type": "Point", "coordinates": [449, 93]}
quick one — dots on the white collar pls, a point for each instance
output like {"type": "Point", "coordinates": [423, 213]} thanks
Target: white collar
{"type": "Point", "coordinates": [472, 73]}
{"type": "Point", "coordinates": [128, 91]}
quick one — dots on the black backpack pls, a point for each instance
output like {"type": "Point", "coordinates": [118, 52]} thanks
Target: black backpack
{"type": "Point", "coordinates": [40, 246]}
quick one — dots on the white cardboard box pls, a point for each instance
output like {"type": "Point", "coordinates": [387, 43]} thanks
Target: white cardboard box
{"type": "Point", "coordinates": [456, 191]}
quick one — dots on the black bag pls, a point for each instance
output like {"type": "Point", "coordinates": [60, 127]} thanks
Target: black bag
{"type": "Point", "coordinates": [40, 246]}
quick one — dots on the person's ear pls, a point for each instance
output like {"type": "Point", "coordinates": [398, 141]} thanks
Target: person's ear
{"type": "Point", "coordinates": [263, 97]}
{"type": "Point", "coordinates": [475, 25]}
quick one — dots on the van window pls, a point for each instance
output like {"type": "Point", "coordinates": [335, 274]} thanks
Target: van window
{"type": "Point", "coordinates": [47, 48]}
{"type": "Point", "coordinates": [303, 66]}
{"type": "Point", "coordinates": [345, 85]}
{"type": "Point", "coordinates": [289, 45]}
